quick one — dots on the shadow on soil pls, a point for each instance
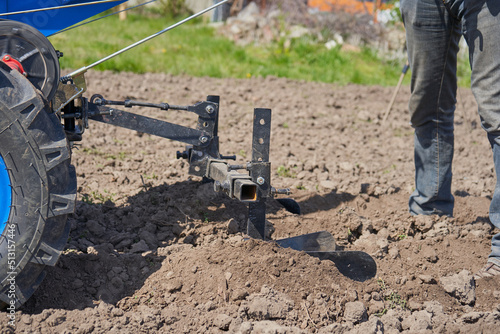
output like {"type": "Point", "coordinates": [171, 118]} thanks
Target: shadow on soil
{"type": "Point", "coordinates": [112, 250]}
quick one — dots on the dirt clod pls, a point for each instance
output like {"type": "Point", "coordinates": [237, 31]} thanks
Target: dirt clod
{"type": "Point", "coordinates": [460, 286]}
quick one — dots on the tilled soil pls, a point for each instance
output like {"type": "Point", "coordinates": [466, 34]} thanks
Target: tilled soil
{"type": "Point", "coordinates": [153, 249]}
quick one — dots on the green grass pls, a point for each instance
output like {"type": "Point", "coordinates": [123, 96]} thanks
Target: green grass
{"type": "Point", "coordinates": [195, 49]}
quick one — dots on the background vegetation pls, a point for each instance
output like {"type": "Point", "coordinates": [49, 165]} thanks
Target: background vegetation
{"type": "Point", "coordinates": [196, 49]}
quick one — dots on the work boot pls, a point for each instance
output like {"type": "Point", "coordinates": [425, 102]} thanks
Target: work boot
{"type": "Point", "coordinates": [489, 270]}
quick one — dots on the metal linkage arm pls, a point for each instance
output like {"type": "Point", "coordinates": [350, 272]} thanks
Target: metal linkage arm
{"type": "Point", "coordinates": [101, 101]}
{"type": "Point", "coordinates": [199, 137]}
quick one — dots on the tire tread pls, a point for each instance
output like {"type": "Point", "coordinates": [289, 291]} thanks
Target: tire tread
{"type": "Point", "coordinates": [45, 150]}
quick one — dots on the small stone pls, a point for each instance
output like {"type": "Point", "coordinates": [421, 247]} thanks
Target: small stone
{"type": "Point", "coordinates": [55, 320]}
{"type": "Point", "coordinates": [352, 295]}
{"type": "Point", "coordinates": [150, 239]}
{"type": "Point", "coordinates": [424, 223]}
{"type": "Point", "coordinates": [471, 317]}
{"type": "Point", "coordinates": [189, 239]}
{"type": "Point", "coordinates": [210, 306]}
{"type": "Point", "coordinates": [376, 296]}
{"type": "Point", "coordinates": [427, 279]}
{"type": "Point", "coordinates": [239, 294]}
{"type": "Point", "coordinates": [391, 321]}
{"type": "Point", "coordinates": [232, 226]}
{"type": "Point", "coordinates": [431, 256]}
{"type": "Point", "coordinates": [269, 304]}
{"type": "Point", "coordinates": [414, 305]}
{"type": "Point", "coordinates": [394, 253]}
{"type": "Point", "coordinates": [95, 228]}
{"type": "Point", "coordinates": [365, 115]}
{"type": "Point", "coordinates": [246, 327]}
{"type": "Point", "coordinates": [374, 325]}
{"type": "Point", "coordinates": [222, 321]}
{"type": "Point", "coordinates": [77, 283]}
{"type": "Point", "coordinates": [417, 321]}
{"type": "Point", "coordinates": [85, 329]}
{"type": "Point", "coordinates": [383, 244]}
{"type": "Point", "coordinates": [376, 307]}
{"type": "Point", "coordinates": [26, 319]}
{"type": "Point", "coordinates": [328, 185]}
{"type": "Point", "coordinates": [355, 312]}
{"type": "Point", "coordinates": [433, 307]}
{"type": "Point", "coordinates": [139, 247]}
{"type": "Point", "coordinates": [117, 312]}
{"type": "Point", "coordinates": [173, 286]}
{"type": "Point", "coordinates": [460, 286]}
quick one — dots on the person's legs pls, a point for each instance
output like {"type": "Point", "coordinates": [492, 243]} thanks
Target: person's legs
{"type": "Point", "coordinates": [432, 37]}
{"type": "Point", "coordinates": [494, 256]}
{"type": "Point", "coordinates": [481, 29]}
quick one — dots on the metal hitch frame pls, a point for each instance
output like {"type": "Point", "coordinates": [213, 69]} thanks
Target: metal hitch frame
{"type": "Point", "coordinates": [202, 151]}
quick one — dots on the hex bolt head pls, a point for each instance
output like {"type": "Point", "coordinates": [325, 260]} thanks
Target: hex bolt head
{"type": "Point", "coordinates": [203, 139]}
{"type": "Point", "coordinates": [209, 109]}
{"type": "Point", "coordinates": [260, 180]}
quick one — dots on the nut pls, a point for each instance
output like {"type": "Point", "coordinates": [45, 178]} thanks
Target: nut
{"type": "Point", "coordinates": [209, 109]}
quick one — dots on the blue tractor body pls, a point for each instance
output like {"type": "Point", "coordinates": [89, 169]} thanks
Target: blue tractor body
{"type": "Point", "coordinates": [51, 21]}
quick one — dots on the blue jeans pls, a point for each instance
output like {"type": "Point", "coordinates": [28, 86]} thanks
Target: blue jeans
{"type": "Point", "coordinates": [433, 30]}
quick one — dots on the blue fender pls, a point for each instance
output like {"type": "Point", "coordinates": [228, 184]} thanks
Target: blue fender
{"type": "Point", "coordinates": [51, 21]}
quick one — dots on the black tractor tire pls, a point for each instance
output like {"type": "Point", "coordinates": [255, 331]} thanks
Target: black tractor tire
{"type": "Point", "coordinates": [37, 159]}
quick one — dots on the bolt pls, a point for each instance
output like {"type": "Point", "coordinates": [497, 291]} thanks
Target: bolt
{"type": "Point", "coordinates": [6, 58]}
{"type": "Point", "coordinates": [209, 109]}
{"type": "Point", "coordinates": [203, 139]}
{"type": "Point", "coordinates": [260, 180]}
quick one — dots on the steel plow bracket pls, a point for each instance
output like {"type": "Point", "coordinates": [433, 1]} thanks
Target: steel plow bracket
{"type": "Point", "coordinates": [260, 171]}
{"type": "Point", "coordinates": [202, 153]}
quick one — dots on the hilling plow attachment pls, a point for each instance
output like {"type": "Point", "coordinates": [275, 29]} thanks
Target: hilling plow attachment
{"type": "Point", "coordinates": [252, 187]}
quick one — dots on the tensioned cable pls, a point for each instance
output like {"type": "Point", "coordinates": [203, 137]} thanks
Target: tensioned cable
{"type": "Point", "coordinates": [57, 7]}
{"type": "Point", "coordinates": [102, 17]}
{"type": "Point", "coordinates": [85, 68]}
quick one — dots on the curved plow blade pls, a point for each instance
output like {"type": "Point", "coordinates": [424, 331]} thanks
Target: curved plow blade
{"type": "Point", "coordinates": [356, 265]}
